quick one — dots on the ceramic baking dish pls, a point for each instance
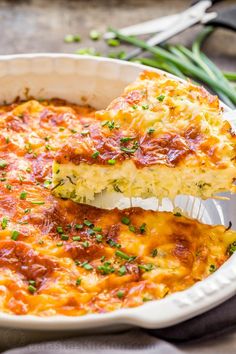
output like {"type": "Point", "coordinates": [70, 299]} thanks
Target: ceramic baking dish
{"type": "Point", "coordinates": [97, 81]}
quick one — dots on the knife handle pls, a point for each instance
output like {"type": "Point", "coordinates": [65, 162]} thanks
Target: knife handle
{"type": "Point", "coordinates": [225, 18]}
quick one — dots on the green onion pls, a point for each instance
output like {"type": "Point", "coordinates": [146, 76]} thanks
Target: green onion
{"type": "Point", "coordinates": [151, 131]}
{"type": "Point", "coordinates": [3, 163]}
{"type": "Point", "coordinates": [132, 228]}
{"type": "Point", "coordinates": [146, 267]}
{"type": "Point", "coordinates": [120, 294]}
{"type": "Point", "coordinates": [97, 228]}
{"type": "Point", "coordinates": [154, 252]}
{"type": "Point", "coordinates": [143, 228]}
{"type": "Point", "coordinates": [232, 248]}
{"type": "Point", "coordinates": [87, 266]}
{"type": "Point", "coordinates": [32, 289]}
{"type": "Point", "coordinates": [85, 132]}
{"type": "Point", "coordinates": [161, 98]}
{"type": "Point", "coordinates": [37, 202]}
{"type": "Point", "coordinates": [125, 256]}
{"type": "Point", "coordinates": [125, 220]}
{"type": "Point", "coordinates": [85, 244]}
{"type": "Point", "coordinates": [106, 268]}
{"type": "Point", "coordinates": [95, 154]}
{"type": "Point", "coordinates": [76, 238]}
{"type": "Point", "coordinates": [14, 235]}
{"type": "Point", "coordinates": [78, 281]}
{"type": "Point", "coordinates": [59, 229]}
{"type": "Point", "coordinates": [122, 270]}
{"type": "Point", "coordinates": [94, 35]}
{"type": "Point", "coordinates": [111, 162]}
{"type": "Point", "coordinates": [212, 268]}
{"type": "Point", "coordinates": [178, 214]}
{"type": "Point", "coordinates": [78, 226]}
{"type": "Point", "coordinates": [113, 42]}
{"type": "Point", "coordinates": [99, 238]}
{"type": "Point", "coordinates": [64, 237]}
{"type": "Point", "coordinates": [184, 66]}
{"type": "Point", "coordinates": [23, 195]}
{"type": "Point", "coordinates": [88, 223]}
{"type": "Point", "coordinates": [70, 38]}
{"type": "Point", "coordinates": [4, 223]}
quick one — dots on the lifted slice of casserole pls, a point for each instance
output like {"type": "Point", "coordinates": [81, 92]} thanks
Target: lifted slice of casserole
{"type": "Point", "coordinates": [160, 138]}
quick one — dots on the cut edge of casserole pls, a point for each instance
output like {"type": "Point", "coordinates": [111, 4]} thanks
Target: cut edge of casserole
{"type": "Point", "coordinates": [159, 139]}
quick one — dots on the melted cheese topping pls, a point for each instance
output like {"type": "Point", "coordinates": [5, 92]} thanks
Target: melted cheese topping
{"type": "Point", "coordinates": [160, 138]}
{"type": "Point", "coordinates": [59, 257]}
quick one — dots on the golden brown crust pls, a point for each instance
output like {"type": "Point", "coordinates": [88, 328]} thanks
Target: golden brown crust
{"type": "Point", "coordinates": [54, 261]}
{"type": "Point", "coordinates": [157, 121]}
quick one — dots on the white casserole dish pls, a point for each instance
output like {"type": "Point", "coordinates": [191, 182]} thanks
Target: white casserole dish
{"type": "Point", "coordinates": [97, 81]}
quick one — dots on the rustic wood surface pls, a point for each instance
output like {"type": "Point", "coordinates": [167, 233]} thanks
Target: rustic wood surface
{"type": "Point", "coordinates": [29, 26]}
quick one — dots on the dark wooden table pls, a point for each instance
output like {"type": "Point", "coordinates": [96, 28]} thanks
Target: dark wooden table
{"type": "Point", "coordinates": [29, 26]}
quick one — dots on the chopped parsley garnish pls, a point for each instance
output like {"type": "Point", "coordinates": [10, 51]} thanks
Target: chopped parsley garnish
{"type": "Point", "coordinates": [146, 267]}
{"type": "Point", "coordinates": [151, 131]}
{"type": "Point", "coordinates": [60, 230]}
{"type": "Point", "coordinates": [3, 163]}
{"type": "Point", "coordinates": [154, 252]}
{"type": "Point", "coordinates": [73, 131]}
{"type": "Point", "coordinates": [120, 294]}
{"type": "Point", "coordinates": [78, 281]}
{"type": "Point", "coordinates": [88, 223]}
{"type": "Point", "coordinates": [145, 106]}
{"type": "Point", "coordinates": [134, 106]}
{"type": "Point", "coordinates": [4, 223]}
{"type": "Point", "coordinates": [143, 228]}
{"type": "Point", "coordinates": [14, 235]}
{"type": "Point", "coordinates": [23, 195]}
{"type": "Point", "coordinates": [95, 154]}
{"type": "Point", "coordinates": [9, 187]}
{"type": "Point", "coordinates": [212, 268]}
{"type": "Point", "coordinates": [76, 238]}
{"type": "Point", "coordinates": [125, 220]}
{"type": "Point", "coordinates": [26, 211]}
{"type": "Point", "coordinates": [232, 248]}
{"type": "Point", "coordinates": [64, 237]}
{"type": "Point", "coordinates": [161, 98]}
{"type": "Point", "coordinates": [87, 266]}
{"type": "Point", "coordinates": [122, 270]}
{"type": "Point", "coordinates": [111, 162]}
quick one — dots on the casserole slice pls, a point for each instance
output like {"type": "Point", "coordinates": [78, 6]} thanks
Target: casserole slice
{"type": "Point", "coordinates": [160, 138]}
